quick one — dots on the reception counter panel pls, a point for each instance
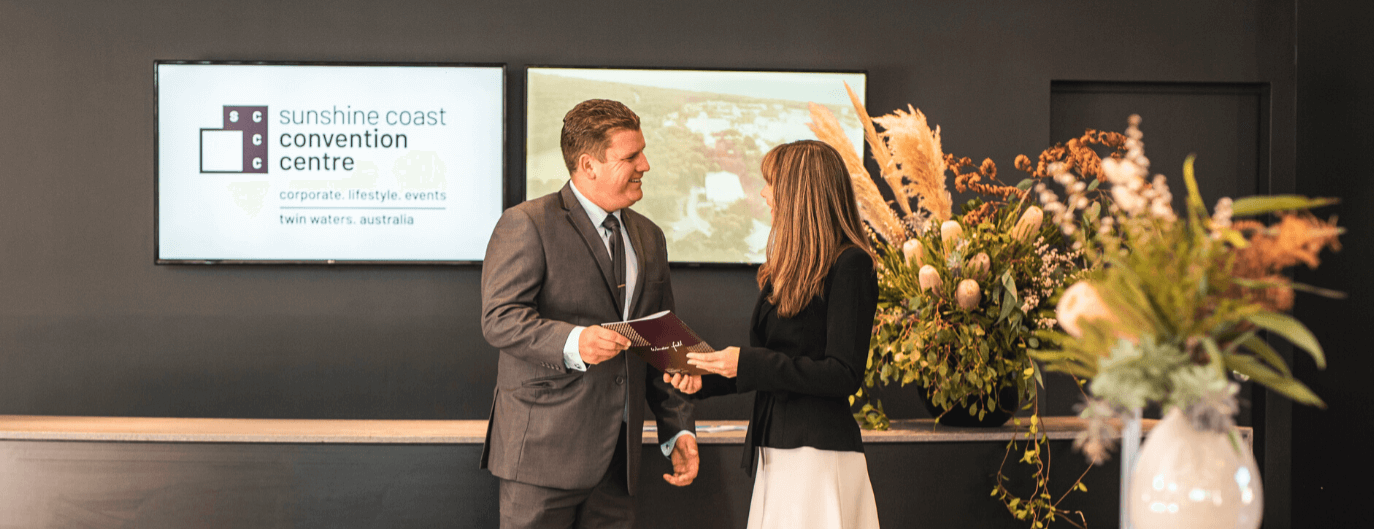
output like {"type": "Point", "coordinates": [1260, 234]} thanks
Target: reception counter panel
{"type": "Point", "coordinates": [209, 473]}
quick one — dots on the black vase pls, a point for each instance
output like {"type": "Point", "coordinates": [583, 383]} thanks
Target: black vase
{"type": "Point", "coordinates": [1008, 401]}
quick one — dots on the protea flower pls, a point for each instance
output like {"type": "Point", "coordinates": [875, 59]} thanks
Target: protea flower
{"type": "Point", "coordinates": [1080, 303]}
{"type": "Point", "coordinates": [968, 294]}
{"type": "Point", "coordinates": [930, 278]}
{"type": "Point", "coordinates": [1028, 224]}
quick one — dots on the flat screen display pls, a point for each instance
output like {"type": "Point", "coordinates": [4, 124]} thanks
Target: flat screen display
{"type": "Point", "coordinates": [705, 131]}
{"type": "Point", "coordinates": [321, 163]}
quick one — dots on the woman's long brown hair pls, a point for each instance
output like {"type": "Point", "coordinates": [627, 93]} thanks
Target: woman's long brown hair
{"type": "Point", "coordinates": [815, 218]}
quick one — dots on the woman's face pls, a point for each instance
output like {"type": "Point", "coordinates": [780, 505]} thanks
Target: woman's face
{"type": "Point", "coordinates": [767, 195]}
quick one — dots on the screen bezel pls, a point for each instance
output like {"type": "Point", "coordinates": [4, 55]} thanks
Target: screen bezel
{"type": "Point", "coordinates": [523, 183]}
{"type": "Point", "coordinates": [157, 194]}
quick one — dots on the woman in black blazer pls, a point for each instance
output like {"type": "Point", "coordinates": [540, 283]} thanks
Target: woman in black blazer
{"type": "Point", "coordinates": [808, 345]}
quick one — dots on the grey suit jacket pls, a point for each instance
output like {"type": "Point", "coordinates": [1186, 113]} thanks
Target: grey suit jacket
{"type": "Point", "coordinates": [546, 271]}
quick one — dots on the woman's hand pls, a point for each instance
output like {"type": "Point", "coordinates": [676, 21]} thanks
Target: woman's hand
{"type": "Point", "coordinates": [724, 362]}
{"type": "Point", "coordinates": [687, 384]}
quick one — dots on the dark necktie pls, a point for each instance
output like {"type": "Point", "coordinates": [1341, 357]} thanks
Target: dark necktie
{"type": "Point", "coordinates": [617, 260]}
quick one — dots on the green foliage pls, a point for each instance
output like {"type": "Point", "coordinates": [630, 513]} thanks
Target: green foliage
{"type": "Point", "coordinates": [1259, 205]}
{"type": "Point", "coordinates": [1178, 327]}
{"type": "Point", "coordinates": [964, 357]}
{"type": "Point", "coordinates": [1037, 507]}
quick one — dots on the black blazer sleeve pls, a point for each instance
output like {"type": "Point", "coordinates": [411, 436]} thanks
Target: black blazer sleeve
{"type": "Point", "coordinates": [852, 297]}
{"type": "Point", "coordinates": [715, 386]}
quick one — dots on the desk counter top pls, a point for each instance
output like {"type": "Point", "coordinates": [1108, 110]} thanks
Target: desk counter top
{"type": "Point", "coordinates": [193, 430]}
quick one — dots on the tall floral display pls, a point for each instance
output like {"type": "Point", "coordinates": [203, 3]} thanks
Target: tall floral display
{"type": "Point", "coordinates": [962, 295]}
{"type": "Point", "coordinates": [1174, 315]}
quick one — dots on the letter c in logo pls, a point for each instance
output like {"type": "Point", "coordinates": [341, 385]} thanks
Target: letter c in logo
{"type": "Point", "coordinates": [257, 116]}
{"type": "Point", "coordinates": [257, 163]}
{"type": "Point", "coordinates": [257, 139]}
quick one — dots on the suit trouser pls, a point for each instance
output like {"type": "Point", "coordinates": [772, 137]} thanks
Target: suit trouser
{"type": "Point", "coordinates": [608, 504]}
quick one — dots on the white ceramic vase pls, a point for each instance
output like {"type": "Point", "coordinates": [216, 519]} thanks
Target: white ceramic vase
{"type": "Point", "coordinates": [1184, 478]}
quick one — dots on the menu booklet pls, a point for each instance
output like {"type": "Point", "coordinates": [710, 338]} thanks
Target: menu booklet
{"type": "Point", "coordinates": [663, 341]}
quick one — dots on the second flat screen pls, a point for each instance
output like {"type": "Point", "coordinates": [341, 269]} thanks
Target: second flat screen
{"type": "Point", "coordinates": [706, 132]}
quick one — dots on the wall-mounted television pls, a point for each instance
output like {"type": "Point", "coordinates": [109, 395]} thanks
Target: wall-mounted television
{"type": "Point", "coordinates": [328, 162]}
{"type": "Point", "coordinates": [706, 132]}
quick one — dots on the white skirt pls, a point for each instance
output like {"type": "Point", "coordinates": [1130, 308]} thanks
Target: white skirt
{"type": "Point", "coordinates": [802, 488]}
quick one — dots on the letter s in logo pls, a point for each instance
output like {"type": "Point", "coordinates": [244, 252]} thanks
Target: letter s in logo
{"type": "Point", "coordinates": [233, 116]}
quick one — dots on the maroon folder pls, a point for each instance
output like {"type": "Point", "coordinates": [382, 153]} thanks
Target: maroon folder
{"type": "Point", "coordinates": [663, 341]}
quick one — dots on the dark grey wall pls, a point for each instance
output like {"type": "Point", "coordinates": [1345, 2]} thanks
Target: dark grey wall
{"type": "Point", "coordinates": [1335, 108]}
{"type": "Point", "coordinates": [89, 326]}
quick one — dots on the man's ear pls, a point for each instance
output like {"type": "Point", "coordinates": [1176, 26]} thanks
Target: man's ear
{"type": "Point", "coordinates": [584, 164]}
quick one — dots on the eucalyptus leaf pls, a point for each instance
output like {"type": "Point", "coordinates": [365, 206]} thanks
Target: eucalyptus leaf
{"type": "Point", "coordinates": [1010, 283]}
{"type": "Point", "coordinates": [1025, 184]}
{"type": "Point", "coordinates": [1292, 330]}
{"type": "Point", "coordinates": [1008, 304]}
{"type": "Point", "coordinates": [1259, 205]}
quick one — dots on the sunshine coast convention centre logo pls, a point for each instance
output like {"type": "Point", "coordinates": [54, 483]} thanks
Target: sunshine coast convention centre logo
{"type": "Point", "coordinates": [240, 146]}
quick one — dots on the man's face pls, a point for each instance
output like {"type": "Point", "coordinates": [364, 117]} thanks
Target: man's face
{"type": "Point", "coordinates": [615, 183]}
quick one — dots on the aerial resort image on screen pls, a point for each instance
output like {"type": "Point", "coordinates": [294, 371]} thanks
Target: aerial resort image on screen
{"type": "Point", "coordinates": [706, 132]}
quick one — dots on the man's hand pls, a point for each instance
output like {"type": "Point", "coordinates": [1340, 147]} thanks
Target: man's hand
{"type": "Point", "coordinates": [687, 384]}
{"type": "Point", "coordinates": [685, 462]}
{"type": "Point", "coordinates": [598, 344]}
{"type": "Point", "coordinates": [724, 362]}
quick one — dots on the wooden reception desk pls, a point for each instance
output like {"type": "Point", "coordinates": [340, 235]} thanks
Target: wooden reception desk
{"type": "Point", "coordinates": [180, 472]}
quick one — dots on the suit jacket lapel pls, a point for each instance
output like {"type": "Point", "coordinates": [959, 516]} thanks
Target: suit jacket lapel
{"type": "Point", "coordinates": [583, 224]}
{"type": "Point", "coordinates": [640, 242]}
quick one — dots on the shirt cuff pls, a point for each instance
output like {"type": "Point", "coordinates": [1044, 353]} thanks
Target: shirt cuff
{"type": "Point", "coordinates": [668, 446]}
{"type": "Point", "coordinates": [571, 356]}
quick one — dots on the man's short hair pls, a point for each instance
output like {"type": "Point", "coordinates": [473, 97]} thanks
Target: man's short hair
{"type": "Point", "coordinates": [587, 127]}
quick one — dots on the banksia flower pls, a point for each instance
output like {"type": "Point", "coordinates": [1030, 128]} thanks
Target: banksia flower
{"type": "Point", "coordinates": [1028, 224]}
{"type": "Point", "coordinates": [979, 265]}
{"type": "Point", "coordinates": [912, 250]}
{"type": "Point", "coordinates": [951, 232]}
{"type": "Point", "coordinates": [930, 278]}
{"type": "Point", "coordinates": [968, 294]}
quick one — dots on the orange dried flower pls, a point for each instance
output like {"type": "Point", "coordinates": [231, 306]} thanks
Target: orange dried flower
{"type": "Point", "coordinates": [1298, 237]}
{"type": "Point", "coordinates": [1076, 154]}
{"type": "Point", "coordinates": [972, 180]}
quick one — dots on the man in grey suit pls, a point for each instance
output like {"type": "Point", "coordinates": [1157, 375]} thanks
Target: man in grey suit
{"type": "Point", "coordinates": [566, 430]}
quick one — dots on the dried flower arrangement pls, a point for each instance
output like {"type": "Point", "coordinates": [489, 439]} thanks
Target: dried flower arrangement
{"type": "Point", "coordinates": [1174, 306]}
{"type": "Point", "coordinates": [961, 296]}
